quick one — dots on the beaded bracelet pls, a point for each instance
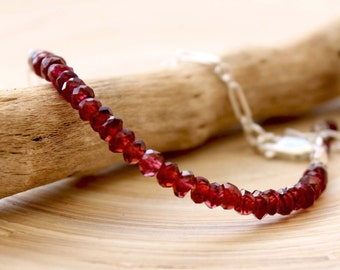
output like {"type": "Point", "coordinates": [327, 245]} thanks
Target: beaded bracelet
{"type": "Point", "coordinates": [152, 163]}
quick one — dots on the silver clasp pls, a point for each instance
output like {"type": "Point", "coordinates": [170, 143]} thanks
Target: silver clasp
{"type": "Point", "coordinates": [297, 145]}
{"type": "Point", "coordinates": [292, 147]}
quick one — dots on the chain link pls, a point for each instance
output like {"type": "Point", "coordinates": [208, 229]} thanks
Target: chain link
{"type": "Point", "coordinates": [240, 106]}
{"type": "Point", "coordinates": [295, 144]}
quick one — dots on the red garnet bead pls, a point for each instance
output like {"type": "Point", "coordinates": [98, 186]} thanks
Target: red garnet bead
{"type": "Point", "coordinates": [79, 94]}
{"type": "Point", "coordinates": [69, 86]}
{"type": "Point", "coordinates": [296, 194]}
{"type": "Point", "coordinates": [88, 107]}
{"type": "Point", "coordinates": [168, 173]}
{"type": "Point", "coordinates": [247, 203]}
{"type": "Point", "coordinates": [231, 196]}
{"type": "Point", "coordinates": [286, 202]}
{"type": "Point", "coordinates": [118, 142]}
{"type": "Point", "coordinates": [317, 171]}
{"type": "Point", "coordinates": [306, 198]}
{"type": "Point", "coordinates": [184, 183]}
{"type": "Point", "coordinates": [151, 162]}
{"type": "Point", "coordinates": [133, 152]}
{"type": "Point", "coordinates": [54, 72]}
{"type": "Point", "coordinates": [317, 168]}
{"type": "Point", "coordinates": [272, 206]}
{"type": "Point", "coordinates": [64, 77]}
{"type": "Point", "coordinates": [261, 202]}
{"type": "Point", "coordinates": [47, 62]}
{"type": "Point", "coordinates": [98, 119]}
{"type": "Point", "coordinates": [215, 194]}
{"type": "Point", "coordinates": [35, 60]}
{"type": "Point", "coordinates": [112, 126]}
{"type": "Point", "coordinates": [200, 191]}
{"type": "Point", "coordinates": [315, 181]}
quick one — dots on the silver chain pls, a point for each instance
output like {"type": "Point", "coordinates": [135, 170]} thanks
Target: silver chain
{"type": "Point", "coordinates": [294, 144]}
{"type": "Point", "coordinates": [240, 105]}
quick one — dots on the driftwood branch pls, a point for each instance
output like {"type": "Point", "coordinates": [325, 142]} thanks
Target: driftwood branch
{"type": "Point", "coordinates": [43, 140]}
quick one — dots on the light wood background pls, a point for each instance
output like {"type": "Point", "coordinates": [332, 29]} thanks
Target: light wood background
{"type": "Point", "coordinates": [120, 220]}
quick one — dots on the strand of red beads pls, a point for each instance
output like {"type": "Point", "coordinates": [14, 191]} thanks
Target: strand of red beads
{"type": "Point", "coordinates": [151, 163]}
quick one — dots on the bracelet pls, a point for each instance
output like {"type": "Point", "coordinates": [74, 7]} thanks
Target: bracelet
{"type": "Point", "coordinates": [314, 145]}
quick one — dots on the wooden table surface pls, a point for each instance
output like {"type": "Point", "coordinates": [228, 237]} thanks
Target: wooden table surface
{"type": "Point", "coordinates": [121, 220]}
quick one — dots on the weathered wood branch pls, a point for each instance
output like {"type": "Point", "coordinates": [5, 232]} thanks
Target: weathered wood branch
{"type": "Point", "coordinates": [43, 140]}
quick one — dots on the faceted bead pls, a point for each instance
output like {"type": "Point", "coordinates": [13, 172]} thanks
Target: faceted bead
{"type": "Point", "coordinates": [286, 202]}
{"type": "Point", "coordinates": [315, 182]}
{"type": "Point", "coordinates": [214, 196]}
{"type": "Point", "coordinates": [231, 196]}
{"type": "Point", "coordinates": [296, 194]}
{"type": "Point", "coordinates": [35, 60]}
{"type": "Point", "coordinates": [272, 206]}
{"type": "Point", "coordinates": [151, 162]}
{"type": "Point", "coordinates": [64, 77]}
{"type": "Point", "coordinates": [200, 191]}
{"type": "Point", "coordinates": [168, 174]}
{"type": "Point", "coordinates": [47, 62]}
{"type": "Point", "coordinates": [133, 152]}
{"type": "Point", "coordinates": [307, 196]}
{"type": "Point", "coordinates": [247, 203]}
{"type": "Point", "coordinates": [55, 70]}
{"type": "Point", "coordinates": [316, 168]}
{"type": "Point", "coordinates": [79, 94]}
{"type": "Point", "coordinates": [69, 86]}
{"type": "Point", "coordinates": [118, 142]}
{"type": "Point", "coordinates": [184, 183]}
{"type": "Point", "coordinates": [88, 107]}
{"type": "Point", "coordinates": [98, 119]}
{"type": "Point", "coordinates": [110, 128]}
{"type": "Point", "coordinates": [261, 202]}
{"type": "Point", "coordinates": [318, 171]}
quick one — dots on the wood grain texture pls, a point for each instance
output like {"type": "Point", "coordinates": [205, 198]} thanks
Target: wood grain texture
{"type": "Point", "coordinates": [118, 219]}
{"type": "Point", "coordinates": [171, 109]}
{"type": "Point", "coordinates": [121, 220]}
